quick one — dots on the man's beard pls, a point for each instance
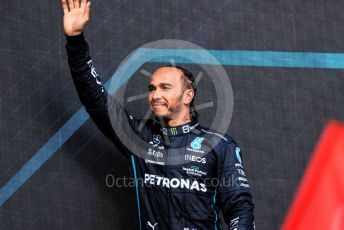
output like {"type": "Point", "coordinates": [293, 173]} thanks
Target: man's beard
{"type": "Point", "coordinates": [171, 113]}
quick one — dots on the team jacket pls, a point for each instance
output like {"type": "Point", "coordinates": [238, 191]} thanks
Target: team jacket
{"type": "Point", "coordinates": [208, 178]}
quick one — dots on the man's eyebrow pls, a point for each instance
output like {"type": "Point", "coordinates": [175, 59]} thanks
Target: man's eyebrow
{"type": "Point", "coordinates": [161, 85]}
{"type": "Point", "coordinates": [165, 84]}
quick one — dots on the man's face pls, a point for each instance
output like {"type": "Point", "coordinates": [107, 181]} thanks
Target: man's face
{"type": "Point", "coordinates": [166, 92]}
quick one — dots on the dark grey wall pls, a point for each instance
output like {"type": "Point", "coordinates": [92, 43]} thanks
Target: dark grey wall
{"type": "Point", "coordinates": [278, 112]}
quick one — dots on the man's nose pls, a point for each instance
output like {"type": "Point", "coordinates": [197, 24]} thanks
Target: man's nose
{"type": "Point", "coordinates": [156, 94]}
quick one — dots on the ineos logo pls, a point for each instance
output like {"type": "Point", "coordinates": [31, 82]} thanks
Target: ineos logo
{"type": "Point", "coordinates": [202, 160]}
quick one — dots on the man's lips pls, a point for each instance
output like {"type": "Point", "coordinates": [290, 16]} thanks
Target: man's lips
{"type": "Point", "coordinates": [158, 105]}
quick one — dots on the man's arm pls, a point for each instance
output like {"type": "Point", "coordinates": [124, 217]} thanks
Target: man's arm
{"type": "Point", "coordinates": [88, 84]}
{"type": "Point", "coordinates": [235, 197]}
{"type": "Point", "coordinates": [91, 92]}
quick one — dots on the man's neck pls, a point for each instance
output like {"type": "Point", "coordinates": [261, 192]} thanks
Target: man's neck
{"type": "Point", "coordinates": [176, 122]}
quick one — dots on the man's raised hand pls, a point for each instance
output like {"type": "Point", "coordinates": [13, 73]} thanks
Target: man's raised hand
{"type": "Point", "coordinates": [76, 15]}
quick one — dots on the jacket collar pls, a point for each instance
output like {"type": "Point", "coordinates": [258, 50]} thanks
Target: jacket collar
{"type": "Point", "coordinates": [179, 130]}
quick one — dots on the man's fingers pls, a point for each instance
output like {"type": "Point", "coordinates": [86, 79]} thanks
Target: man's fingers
{"type": "Point", "coordinates": [83, 4]}
{"type": "Point", "coordinates": [76, 4]}
{"type": "Point", "coordinates": [70, 4]}
{"type": "Point", "coordinates": [87, 10]}
{"type": "Point", "coordinates": [65, 7]}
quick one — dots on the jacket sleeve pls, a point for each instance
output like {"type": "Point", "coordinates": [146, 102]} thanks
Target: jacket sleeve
{"type": "Point", "coordinates": [234, 191]}
{"type": "Point", "coordinates": [92, 93]}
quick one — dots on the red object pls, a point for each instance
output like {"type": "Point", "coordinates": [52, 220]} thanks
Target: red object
{"type": "Point", "coordinates": [319, 202]}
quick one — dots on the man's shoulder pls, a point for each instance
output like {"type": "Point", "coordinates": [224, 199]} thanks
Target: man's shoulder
{"type": "Point", "coordinates": [218, 137]}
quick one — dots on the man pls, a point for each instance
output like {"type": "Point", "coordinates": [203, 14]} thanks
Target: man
{"type": "Point", "coordinates": [185, 195]}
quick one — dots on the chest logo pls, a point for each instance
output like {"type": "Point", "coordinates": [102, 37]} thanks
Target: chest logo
{"type": "Point", "coordinates": [196, 144]}
{"type": "Point", "coordinates": [237, 152]}
{"type": "Point", "coordinates": [156, 139]}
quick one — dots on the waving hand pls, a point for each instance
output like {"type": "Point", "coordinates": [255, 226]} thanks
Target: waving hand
{"type": "Point", "coordinates": [76, 16]}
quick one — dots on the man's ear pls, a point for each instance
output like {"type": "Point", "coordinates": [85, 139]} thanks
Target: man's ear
{"type": "Point", "coordinates": [188, 96]}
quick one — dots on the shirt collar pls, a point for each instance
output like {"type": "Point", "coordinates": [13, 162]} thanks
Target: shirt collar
{"type": "Point", "coordinates": [178, 130]}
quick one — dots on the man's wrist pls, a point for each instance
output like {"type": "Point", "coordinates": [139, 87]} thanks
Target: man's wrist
{"type": "Point", "coordinates": [75, 38]}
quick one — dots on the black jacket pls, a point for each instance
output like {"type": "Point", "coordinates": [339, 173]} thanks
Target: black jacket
{"type": "Point", "coordinates": [183, 175]}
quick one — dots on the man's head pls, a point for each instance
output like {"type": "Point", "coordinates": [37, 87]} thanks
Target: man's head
{"type": "Point", "coordinates": [172, 93]}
